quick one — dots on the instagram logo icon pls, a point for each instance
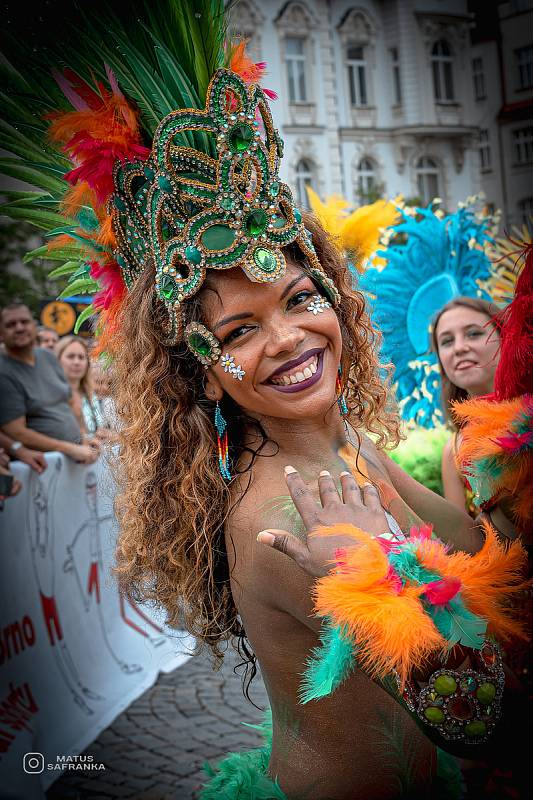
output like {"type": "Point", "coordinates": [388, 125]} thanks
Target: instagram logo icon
{"type": "Point", "coordinates": [33, 763]}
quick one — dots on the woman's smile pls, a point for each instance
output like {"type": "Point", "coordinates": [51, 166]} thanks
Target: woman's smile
{"type": "Point", "coordinates": [298, 374]}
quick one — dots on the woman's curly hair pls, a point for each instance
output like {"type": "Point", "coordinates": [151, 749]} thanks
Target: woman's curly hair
{"type": "Point", "coordinates": [172, 502]}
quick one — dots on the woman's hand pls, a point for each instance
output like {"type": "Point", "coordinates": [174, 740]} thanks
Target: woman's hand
{"type": "Point", "coordinates": [358, 506]}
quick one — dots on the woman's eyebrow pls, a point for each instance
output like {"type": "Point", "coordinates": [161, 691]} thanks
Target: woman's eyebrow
{"type": "Point", "coordinates": [293, 283]}
{"type": "Point", "coordinates": [233, 318]}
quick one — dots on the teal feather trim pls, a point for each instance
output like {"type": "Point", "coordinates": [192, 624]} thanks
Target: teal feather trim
{"type": "Point", "coordinates": [458, 625]}
{"type": "Point", "coordinates": [243, 776]}
{"type": "Point", "coordinates": [329, 664]}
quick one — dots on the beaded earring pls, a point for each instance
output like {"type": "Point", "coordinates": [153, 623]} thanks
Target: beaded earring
{"type": "Point", "coordinates": [341, 401]}
{"type": "Point", "coordinates": [222, 442]}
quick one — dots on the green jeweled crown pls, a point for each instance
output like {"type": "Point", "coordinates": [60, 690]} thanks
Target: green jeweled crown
{"type": "Point", "coordinates": [221, 207]}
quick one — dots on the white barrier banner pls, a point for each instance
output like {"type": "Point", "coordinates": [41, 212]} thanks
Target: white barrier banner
{"type": "Point", "coordinates": [73, 652]}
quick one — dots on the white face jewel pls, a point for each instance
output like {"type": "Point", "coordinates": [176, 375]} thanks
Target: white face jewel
{"type": "Point", "coordinates": [318, 304]}
{"type": "Point", "coordinates": [228, 362]}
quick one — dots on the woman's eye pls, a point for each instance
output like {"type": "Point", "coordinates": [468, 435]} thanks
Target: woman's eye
{"type": "Point", "coordinates": [475, 333]}
{"type": "Point", "coordinates": [236, 333]}
{"type": "Point", "coordinates": [445, 342]}
{"type": "Point", "coordinates": [300, 297]}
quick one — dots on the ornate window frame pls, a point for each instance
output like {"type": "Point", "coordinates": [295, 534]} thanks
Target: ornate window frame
{"type": "Point", "coordinates": [357, 29]}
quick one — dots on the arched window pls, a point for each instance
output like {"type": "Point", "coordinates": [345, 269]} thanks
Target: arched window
{"type": "Point", "coordinates": [305, 176]}
{"type": "Point", "coordinates": [427, 178]}
{"type": "Point", "coordinates": [442, 65]}
{"type": "Point", "coordinates": [366, 178]}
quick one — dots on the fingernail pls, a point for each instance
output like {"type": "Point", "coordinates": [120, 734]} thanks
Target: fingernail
{"type": "Point", "coordinates": [265, 537]}
{"type": "Point", "coordinates": [345, 473]}
{"type": "Point", "coordinates": [323, 474]}
{"type": "Point", "coordinates": [289, 470]}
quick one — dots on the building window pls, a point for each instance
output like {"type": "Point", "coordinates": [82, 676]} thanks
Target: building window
{"type": "Point", "coordinates": [296, 69]}
{"type": "Point", "coordinates": [523, 145]}
{"type": "Point", "coordinates": [396, 82]}
{"type": "Point", "coordinates": [524, 61]}
{"type": "Point", "coordinates": [479, 79]}
{"type": "Point", "coordinates": [355, 61]}
{"type": "Point", "coordinates": [427, 178]}
{"type": "Point", "coordinates": [484, 149]}
{"type": "Point", "coordinates": [305, 176]}
{"type": "Point", "coordinates": [525, 210]}
{"type": "Point", "coordinates": [366, 178]}
{"type": "Point", "coordinates": [442, 64]}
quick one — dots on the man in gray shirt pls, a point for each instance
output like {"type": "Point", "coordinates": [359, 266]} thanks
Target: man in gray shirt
{"type": "Point", "coordinates": [34, 394]}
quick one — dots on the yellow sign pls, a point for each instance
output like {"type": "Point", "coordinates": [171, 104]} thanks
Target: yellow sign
{"type": "Point", "coordinates": [59, 316]}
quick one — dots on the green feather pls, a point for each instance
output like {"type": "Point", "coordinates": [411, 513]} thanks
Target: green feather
{"type": "Point", "coordinates": [329, 665]}
{"type": "Point", "coordinates": [458, 625]}
{"type": "Point", "coordinates": [68, 268]}
{"type": "Point", "coordinates": [85, 314]}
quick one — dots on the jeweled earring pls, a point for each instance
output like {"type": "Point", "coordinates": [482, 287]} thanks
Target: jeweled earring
{"type": "Point", "coordinates": [341, 401]}
{"type": "Point", "coordinates": [228, 362]}
{"type": "Point", "coordinates": [222, 442]}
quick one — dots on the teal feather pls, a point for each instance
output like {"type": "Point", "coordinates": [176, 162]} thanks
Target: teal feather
{"type": "Point", "coordinates": [458, 625]}
{"type": "Point", "coordinates": [329, 664]}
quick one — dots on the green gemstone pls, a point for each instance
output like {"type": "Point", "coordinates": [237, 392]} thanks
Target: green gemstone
{"type": "Point", "coordinates": [193, 255]}
{"type": "Point", "coordinates": [218, 237]}
{"type": "Point", "coordinates": [256, 222]}
{"type": "Point", "coordinates": [148, 173]}
{"type": "Point", "coordinates": [278, 221]}
{"type": "Point", "coordinates": [119, 203]}
{"type": "Point", "coordinates": [273, 189]}
{"type": "Point", "coordinates": [227, 203]}
{"type": "Point", "coordinates": [433, 714]}
{"type": "Point", "coordinates": [475, 728]}
{"type": "Point", "coordinates": [297, 215]}
{"type": "Point", "coordinates": [265, 259]}
{"type": "Point", "coordinates": [486, 692]}
{"type": "Point", "coordinates": [240, 138]}
{"type": "Point", "coordinates": [199, 344]}
{"type": "Point", "coordinates": [167, 287]}
{"type": "Point", "coordinates": [165, 184]}
{"type": "Point", "coordinates": [445, 684]}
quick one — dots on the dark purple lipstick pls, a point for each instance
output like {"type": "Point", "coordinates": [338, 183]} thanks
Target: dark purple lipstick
{"type": "Point", "coordinates": [299, 387]}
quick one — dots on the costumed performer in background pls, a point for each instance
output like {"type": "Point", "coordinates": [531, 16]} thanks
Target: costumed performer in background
{"type": "Point", "coordinates": [243, 353]}
{"type": "Point", "coordinates": [466, 339]}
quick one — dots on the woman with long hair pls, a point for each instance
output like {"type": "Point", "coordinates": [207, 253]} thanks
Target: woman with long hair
{"type": "Point", "coordinates": [73, 355]}
{"type": "Point", "coordinates": [245, 365]}
{"type": "Point", "coordinates": [466, 339]}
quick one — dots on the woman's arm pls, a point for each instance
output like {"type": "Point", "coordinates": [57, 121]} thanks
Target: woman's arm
{"type": "Point", "coordinates": [454, 490]}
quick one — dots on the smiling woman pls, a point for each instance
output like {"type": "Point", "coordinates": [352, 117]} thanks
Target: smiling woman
{"type": "Point", "coordinates": [245, 365]}
{"type": "Point", "coordinates": [466, 340]}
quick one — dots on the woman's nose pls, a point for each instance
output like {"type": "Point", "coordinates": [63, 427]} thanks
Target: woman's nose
{"type": "Point", "coordinates": [283, 338]}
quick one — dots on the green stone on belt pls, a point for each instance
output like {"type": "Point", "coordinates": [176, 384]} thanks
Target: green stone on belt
{"type": "Point", "coordinates": [193, 255]}
{"type": "Point", "coordinates": [167, 287]}
{"type": "Point", "coordinates": [199, 344]}
{"type": "Point", "coordinates": [119, 203]}
{"type": "Point", "coordinates": [256, 222]}
{"type": "Point", "coordinates": [486, 692]}
{"type": "Point", "coordinates": [265, 259]}
{"type": "Point", "coordinates": [433, 714]}
{"type": "Point", "coordinates": [274, 189]}
{"type": "Point", "coordinates": [475, 728]}
{"type": "Point", "coordinates": [297, 215]}
{"type": "Point", "coordinates": [227, 203]}
{"type": "Point", "coordinates": [445, 684]}
{"type": "Point", "coordinates": [165, 184]}
{"type": "Point", "coordinates": [148, 173]}
{"type": "Point", "coordinates": [218, 237]}
{"type": "Point", "coordinates": [240, 138]}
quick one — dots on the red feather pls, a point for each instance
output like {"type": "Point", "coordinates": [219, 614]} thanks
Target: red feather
{"type": "Point", "coordinates": [438, 593]}
{"type": "Point", "coordinates": [514, 374]}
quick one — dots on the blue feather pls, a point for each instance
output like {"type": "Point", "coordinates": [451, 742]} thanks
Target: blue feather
{"type": "Point", "coordinates": [329, 664]}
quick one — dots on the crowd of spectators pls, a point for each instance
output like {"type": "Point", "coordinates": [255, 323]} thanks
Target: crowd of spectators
{"type": "Point", "coordinates": [52, 397]}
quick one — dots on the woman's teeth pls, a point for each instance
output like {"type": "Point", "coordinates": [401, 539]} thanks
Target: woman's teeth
{"type": "Point", "coordinates": [299, 376]}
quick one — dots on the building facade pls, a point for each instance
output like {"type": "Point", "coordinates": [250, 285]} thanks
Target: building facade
{"type": "Point", "coordinates": [378, 97]}
{"type": "Point", "coordinates": [375, 98]}
{"type": "Point", "coordinates": [502, 67]}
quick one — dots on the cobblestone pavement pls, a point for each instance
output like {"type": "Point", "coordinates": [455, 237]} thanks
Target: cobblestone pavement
{"type": "Point", "coordinates": [155, 750]}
